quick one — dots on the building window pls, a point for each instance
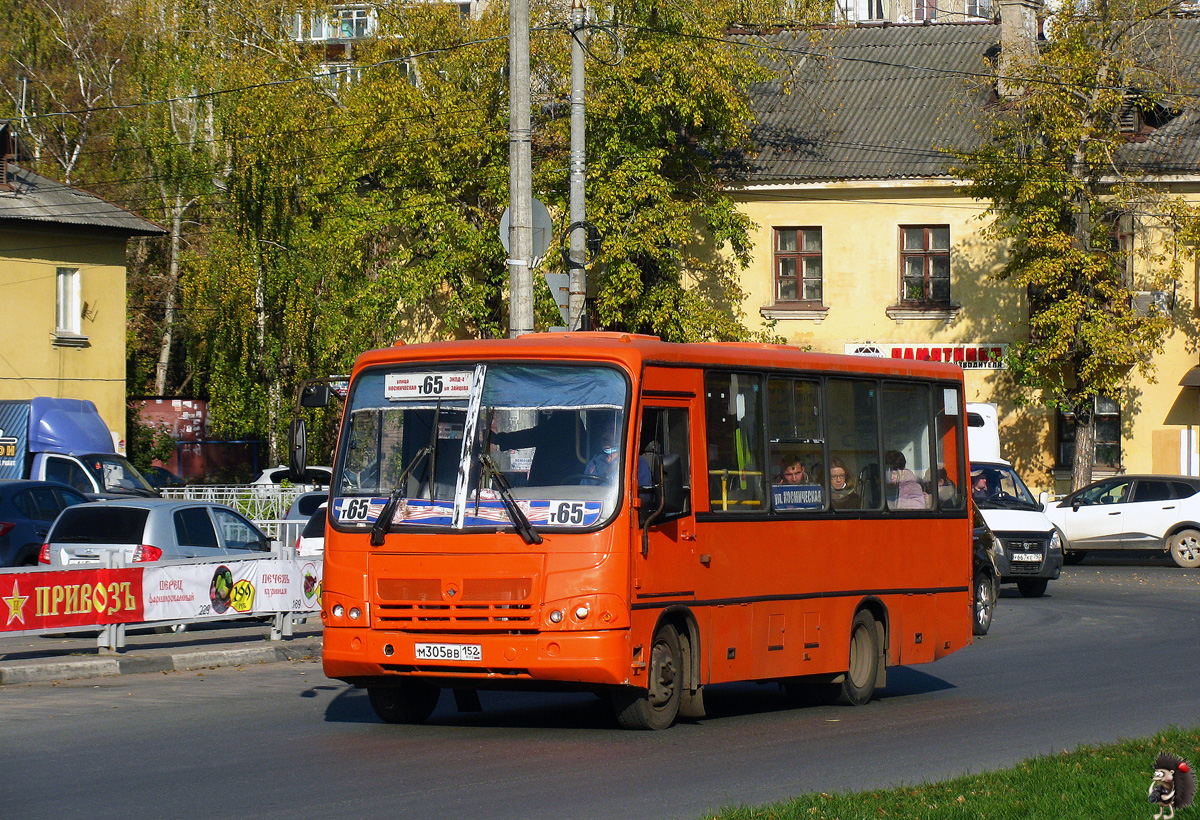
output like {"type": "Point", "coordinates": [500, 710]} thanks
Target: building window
{"type": "Point", "coordinates": [354, 22]}
{"type": "Point", "coordinates": [925, 264]}
{"type": "Point", "coordinates": [980, 8]}
{"type": "Point", "coordinates": [67, 314]}
{"type": "Point", "coordinates": [924, 10]}
{"type": "Point", "coordinates": [852, 11]}
{"type": "Point", "coordinates": [1107, 442]}
{"type": "Point", "coordinates": [798, 265]}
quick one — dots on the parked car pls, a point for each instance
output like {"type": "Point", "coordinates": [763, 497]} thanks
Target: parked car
{"type": "Point", "coordinates": [311, 543]}
{"type": "Point", "coordinates": [1028, 546]}
{"type": "Point", "coordinates": [306, 504]}
{"type": "Point", "coordinates": [160, 477]}
{"type": "Point", "coordinates": [313, 477]}
{"type": "Point", "coordinates": [986, 584]}
{"type": "Point", "coordinates": [150, 529]}
{"type": "Point", "coordinates": [27, 509]}
{"type": "Point", "coordinates": [1133, 512]}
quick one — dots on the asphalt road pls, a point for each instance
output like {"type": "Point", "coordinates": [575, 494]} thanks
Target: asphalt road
{"type": "Point", "coordinates": [1110, 652]}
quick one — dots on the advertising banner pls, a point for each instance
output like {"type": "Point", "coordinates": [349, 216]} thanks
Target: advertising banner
{"type": "Point", "coordinates": [63, 598]}
{"type": "Point", "coordinates": [14, 438]}
{"type": "Point", "coordinates": [231, 589]}
{"type": "Point", "coordinates": [60, 598]}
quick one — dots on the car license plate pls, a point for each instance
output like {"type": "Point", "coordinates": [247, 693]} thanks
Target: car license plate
{"type": "Point", "coordinates": [450, 652]}
{"type": "Point", "coordinates": [1027, 556]}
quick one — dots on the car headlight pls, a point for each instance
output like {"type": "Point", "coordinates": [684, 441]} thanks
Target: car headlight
{"type": "Point", "coordinates": [1055, 542]}
{"type": "Point", "coordinates": [998, 545]}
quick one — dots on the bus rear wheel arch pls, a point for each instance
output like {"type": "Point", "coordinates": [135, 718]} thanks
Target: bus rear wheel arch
{"type": "Point", "coordinates": [409, 701]}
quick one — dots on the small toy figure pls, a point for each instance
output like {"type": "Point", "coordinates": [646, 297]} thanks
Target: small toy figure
{"type": "Point", "coordinates": [1173, 785]}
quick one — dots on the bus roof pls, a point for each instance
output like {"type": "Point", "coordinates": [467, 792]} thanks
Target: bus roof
{"type": "Point", "coordinates": [635, 350]}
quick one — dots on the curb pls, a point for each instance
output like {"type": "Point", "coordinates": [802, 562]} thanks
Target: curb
{"type": "Point", "coordinates": [106, 667]}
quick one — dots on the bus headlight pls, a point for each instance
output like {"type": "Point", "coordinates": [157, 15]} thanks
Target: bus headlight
{"type": "Point", "coordinates": [338, 610]}
{"type": "Point", "coordinates": [556, 616]}
{"type": "Point", "coordinates": [581, 612]}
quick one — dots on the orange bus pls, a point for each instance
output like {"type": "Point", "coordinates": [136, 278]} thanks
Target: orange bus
{"type": "Point", "coordinates": [614, 513]}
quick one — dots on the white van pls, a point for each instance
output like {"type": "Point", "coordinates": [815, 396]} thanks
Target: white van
{"type": "Point", "coordinates": [1029, 550]}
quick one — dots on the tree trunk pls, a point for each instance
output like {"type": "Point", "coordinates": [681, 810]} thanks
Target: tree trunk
{"type": "Point", "coordinates": [168, 334]}
{"type": "Point", "coordinates": [1085, 448]}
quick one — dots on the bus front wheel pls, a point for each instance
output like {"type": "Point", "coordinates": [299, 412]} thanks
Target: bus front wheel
{"type": "Point", "coordinates": [410, 701]}
{"type": "Point", "coordinates": [865, 656]}
{"type": "Point", "coordinates": [657, 706]}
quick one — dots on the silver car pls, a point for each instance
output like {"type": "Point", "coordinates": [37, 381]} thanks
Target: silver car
{"type": "Point", "coordinates": [149, 529]}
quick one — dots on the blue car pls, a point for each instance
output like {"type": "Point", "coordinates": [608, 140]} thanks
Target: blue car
{"type": "Point", "coordinates": [27, 509]}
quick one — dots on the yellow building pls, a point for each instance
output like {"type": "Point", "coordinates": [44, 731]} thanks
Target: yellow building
{"type": "Point", "coordinates": [62, 281]}
{"type": "Point", "coordinates": [865, 244]}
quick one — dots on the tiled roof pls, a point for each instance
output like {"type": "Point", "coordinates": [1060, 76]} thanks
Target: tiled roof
{"type": "Point", "coordinates": [35, 199]}
{"type": "Point", "coordinates": [880, 102]}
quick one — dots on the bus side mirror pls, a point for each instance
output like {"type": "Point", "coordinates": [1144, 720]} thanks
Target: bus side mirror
{"type": "Point", "coordinates": [314, 395]}
{"type": "Point", "coordinates": [673, 489]}
{"type": "Point", "coordinates": [297, 451]}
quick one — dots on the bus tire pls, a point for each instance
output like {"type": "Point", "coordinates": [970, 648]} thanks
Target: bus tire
{"type": "Point", "coordinates": [858, 684]}
{"type": "Point", "coordinates": [410, 701]}
{"type": "Point", "coordinates": [657, 706]}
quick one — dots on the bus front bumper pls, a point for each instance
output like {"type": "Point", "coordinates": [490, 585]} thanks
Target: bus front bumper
{"type": "Point", "coordinates": [600, 658]}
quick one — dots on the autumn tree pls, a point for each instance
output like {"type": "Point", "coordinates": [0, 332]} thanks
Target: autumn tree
{"type": "Point", "coordinates": [1077, 196]}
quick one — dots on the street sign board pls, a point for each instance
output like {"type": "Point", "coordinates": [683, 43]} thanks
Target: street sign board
{"type": "Point", "coordinates": [543, 229]}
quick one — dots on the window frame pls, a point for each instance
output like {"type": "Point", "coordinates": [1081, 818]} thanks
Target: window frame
{"type": "Point", "coordinates": [67, 304]}
{"type": "Point", "coordinates": [800, 256]}
{"type": "Point", "coordinates": [1065, 436]}
{"type": "Point", "coordinates": [928, 254]}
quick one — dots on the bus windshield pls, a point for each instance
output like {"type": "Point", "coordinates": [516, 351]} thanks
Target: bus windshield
{"type": "Point", "coordinates": [554, 432]}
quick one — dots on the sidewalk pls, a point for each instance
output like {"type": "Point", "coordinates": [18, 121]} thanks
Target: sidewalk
{"type": "Point", "coordinates": [33, 658]}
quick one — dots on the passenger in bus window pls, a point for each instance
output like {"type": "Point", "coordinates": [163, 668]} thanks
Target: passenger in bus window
{"type": "Point", "coordinates": [842, 490]}
{"type": "Point", "coordinates": [792, 471]}
{"type": "Point", "coordinates": [904, 490]}
{"type": "Point", "coordinates": [947, 492]}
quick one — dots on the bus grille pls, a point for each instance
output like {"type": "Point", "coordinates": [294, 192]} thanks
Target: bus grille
{"type": "Point", "coordinates": [475, 604]}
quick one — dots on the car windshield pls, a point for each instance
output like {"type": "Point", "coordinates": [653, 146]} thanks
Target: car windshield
{"type": "Point", "coordinates": [116, 475]}
{"type": "Point", "coordinates": [315, 527]}
{"type": "Point", "coordinates": [553, 432]}
{"type": "Point", "coordinates": [997, 486]}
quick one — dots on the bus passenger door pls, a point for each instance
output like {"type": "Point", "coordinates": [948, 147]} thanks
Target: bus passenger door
{"type": "Point", "coordinates": [665, 563]}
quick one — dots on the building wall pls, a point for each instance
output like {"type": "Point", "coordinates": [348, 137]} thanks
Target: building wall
{"type": "Point", "coordinates": [31, 364]}
{"type": "Point", "coordinates": [861, 270]}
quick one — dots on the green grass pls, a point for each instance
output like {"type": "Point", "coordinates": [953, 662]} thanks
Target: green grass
{"type": "Point", "coordinates": [1089, 783]}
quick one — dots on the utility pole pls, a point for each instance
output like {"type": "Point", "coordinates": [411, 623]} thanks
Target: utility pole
{"type": "Point", "coordinates": [577, 292]}
{"type": "Point", "coordinates": [520, 173]}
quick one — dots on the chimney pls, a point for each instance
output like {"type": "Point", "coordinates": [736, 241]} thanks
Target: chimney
{"type": "Point", "coordinates": [1018, 44]}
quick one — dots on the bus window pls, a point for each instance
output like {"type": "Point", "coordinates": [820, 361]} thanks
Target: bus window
{"type": "Point", "coordinates": [734, 437]}
{"type": "Point", "coordinates": [908, 468]}
{"type": "Point", "coordinates": [664, 432]}
{"type": "Point", "coordinates": [952, 492]}
{"type": "Point", "coordinates": [853, 414]}
{"type": "Point", "coordinates": [796, 444]}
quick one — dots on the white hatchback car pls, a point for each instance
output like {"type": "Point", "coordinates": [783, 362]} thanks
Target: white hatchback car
{"type": "Point", "coordinates": [1132, 512]}
{"type": "Point", "coordinates": [311, 543]}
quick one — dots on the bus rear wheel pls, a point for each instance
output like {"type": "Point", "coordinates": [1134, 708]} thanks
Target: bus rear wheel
{"type": "Point", "coordinates": [858, 685]}
{"type": "Point", "coordinates": [657, 706]}
{"type": "Point", "coordinates": [410, 701]}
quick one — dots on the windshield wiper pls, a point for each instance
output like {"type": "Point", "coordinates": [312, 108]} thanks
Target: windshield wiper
{"type": "Point", "coordinates": [520, 521]}
{"type": "Point", "coordinates": [384, 521]}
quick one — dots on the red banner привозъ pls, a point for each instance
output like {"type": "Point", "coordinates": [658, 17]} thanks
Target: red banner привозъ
{"type": "Point", "coordinates": [61, 598]}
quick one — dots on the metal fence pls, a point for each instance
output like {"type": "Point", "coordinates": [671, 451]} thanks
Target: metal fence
{"type": "Point", "coordinates": [258, 502]}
